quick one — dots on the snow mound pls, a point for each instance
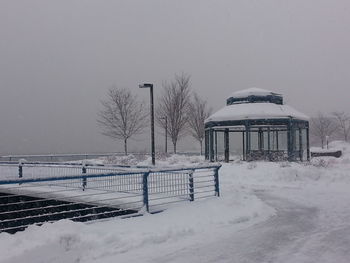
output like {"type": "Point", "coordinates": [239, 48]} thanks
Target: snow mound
{"type": "Point", "coordinates": [162, 160]}
{"type": "Point", "coordinates": [191, 222]}
{"type": "Point", "coordinates": [175, 160]}
{"type": "Point", "coordinates": [342, 146]}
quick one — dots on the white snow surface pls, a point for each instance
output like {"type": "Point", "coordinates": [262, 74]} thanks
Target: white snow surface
{"type": "Point", "coordinates": [267, 212]}
{"type": "Point", "coordinates": [253, 111]}
{"type": "Point", "coordinates": [333, 147]}
{"type": "Point", "coordinates": [252, 91]}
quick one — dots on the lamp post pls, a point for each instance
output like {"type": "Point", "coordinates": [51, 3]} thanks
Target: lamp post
{"type": "Point", "coordinates": [150, 86]}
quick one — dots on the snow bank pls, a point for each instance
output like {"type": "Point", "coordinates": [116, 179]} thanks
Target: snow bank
{"type": "Point", "coordinates": [340, 145]}
{"type": "Point", "coordinates": [342, 162]}
{"type": "Point", "coordinates": [187, 223]}
{"type": "Point", "coordinates": [162, 160]}
{"type": "Point", "coordinates": [175, 160]}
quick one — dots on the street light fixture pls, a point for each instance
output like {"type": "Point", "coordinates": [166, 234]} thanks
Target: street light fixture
{"type": "Point", "coordinates": [150, 86]}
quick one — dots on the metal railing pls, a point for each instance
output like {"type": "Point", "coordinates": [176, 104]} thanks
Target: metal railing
{"type": "Point", "coordinates": [56, 157]}
{"type": "Point", "coordinates": [72, 157]}
{"type": "Point", "coordinates": [34, 194]}
{"type": "Point", "coordinates": [10, 170]}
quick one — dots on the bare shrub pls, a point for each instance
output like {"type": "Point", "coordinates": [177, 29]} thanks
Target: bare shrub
{"type": "Point", "coordinates": [323, 126]}
{"type": "Point", "coordinates": [174, 104]}
{"type": "Point", "coordinates": [122, 116]}
{"type": "Point", "coordinates": [198, 112]}
{"type": "Point", "coordinates": [343, 121]}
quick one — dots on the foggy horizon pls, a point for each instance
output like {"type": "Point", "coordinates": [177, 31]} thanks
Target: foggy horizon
{"type": "Point", "coordinates": [59, 58]}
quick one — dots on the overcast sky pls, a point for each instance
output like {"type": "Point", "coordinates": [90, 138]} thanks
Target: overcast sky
{"type": "Point", "coordinates": [58, 58]}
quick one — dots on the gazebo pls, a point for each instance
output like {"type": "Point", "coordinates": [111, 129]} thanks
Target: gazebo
{"type": "Point", "coordinates": [256, 125]}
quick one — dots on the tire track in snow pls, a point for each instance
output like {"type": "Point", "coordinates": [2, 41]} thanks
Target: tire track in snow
{"type": "Point", "coordinates": [281, 236]}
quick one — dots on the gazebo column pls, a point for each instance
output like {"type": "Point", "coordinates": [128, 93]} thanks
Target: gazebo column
{"type": "Point", "coordinates": [227, 145]}
{"type": "Point", "coordinates": [300, 144]}
{"type": "Point", "coordinates": [260, 140]}
{"type": "Point", "coordinates": [268, 144]}
{"type": "Point", "coordinates": [248, 144]}
{"type": "Point", "coordinates": [308, 143]}
{"type": "Point", "coordinates": [293, 140]}
{"type": "Point", "coordinates": [206, 142]}
{"type": "Point", "coordinates": [243, 146]}
{"type": "Point", "coordinates": [211, 145]}
{"type": "Point", "coordinates": [289, 140]}
{"type": "Point", "coordinates": [216, 145]}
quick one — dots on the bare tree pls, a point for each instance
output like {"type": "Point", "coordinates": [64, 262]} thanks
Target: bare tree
{"type": "Point", "coordinates": [343, 121]}
{"type": "Point", "coordinates": [173, 104]}
{"type": "Point", "coordinates": [122, 116]}
{"type": "Point", "coordinates": [198, 112]}
{"type": "Point", "coordinates": [323, 126]}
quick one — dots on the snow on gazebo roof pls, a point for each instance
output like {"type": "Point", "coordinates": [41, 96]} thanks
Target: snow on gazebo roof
{"type": "Point", "coordinates": [252, 92]}
{"type": "Point", "coordinates": [256, 110]}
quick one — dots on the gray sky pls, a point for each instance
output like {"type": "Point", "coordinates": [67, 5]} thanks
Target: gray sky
{"type": "Point", "coordinates": [58, 58]}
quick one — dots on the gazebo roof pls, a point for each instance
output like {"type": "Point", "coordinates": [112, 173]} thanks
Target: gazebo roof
{"type": "Point", "coordinates": [255, 111]}
{"type": "Point", "coordinates": [242, 109]}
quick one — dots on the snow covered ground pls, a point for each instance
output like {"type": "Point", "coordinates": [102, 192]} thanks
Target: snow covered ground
{"type": "Point", "coordinates": [267, 212]}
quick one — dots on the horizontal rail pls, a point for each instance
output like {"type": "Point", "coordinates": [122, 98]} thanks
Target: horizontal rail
{"type": "Point", "coordinates": [75, 164]}
{"type": "Point", "coordinates": [63, 178]}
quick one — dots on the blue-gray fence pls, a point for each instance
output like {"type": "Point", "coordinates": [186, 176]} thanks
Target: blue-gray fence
{"type": "Point", "coordinates": [77, 156]}
{"type": "Point", "coordinates": [60, 157]}
{"type": "Point", "coordinates": [36, 193]}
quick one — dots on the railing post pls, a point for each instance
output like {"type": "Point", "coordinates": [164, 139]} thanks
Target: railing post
{"type": "Point", "coordinates": [83, 170]}
{"type": "Point", "coordinates": [145, 191]}
{"type": "Point", "coordinates": [191, 185]}
{"type": "Point", "coordinates": [216, 180]}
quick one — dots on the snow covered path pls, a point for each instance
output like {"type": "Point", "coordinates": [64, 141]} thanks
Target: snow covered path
{"type": "Point", "coordinates": [297, 233]}
{"type": "Point", "coordinates": [261, 242]}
